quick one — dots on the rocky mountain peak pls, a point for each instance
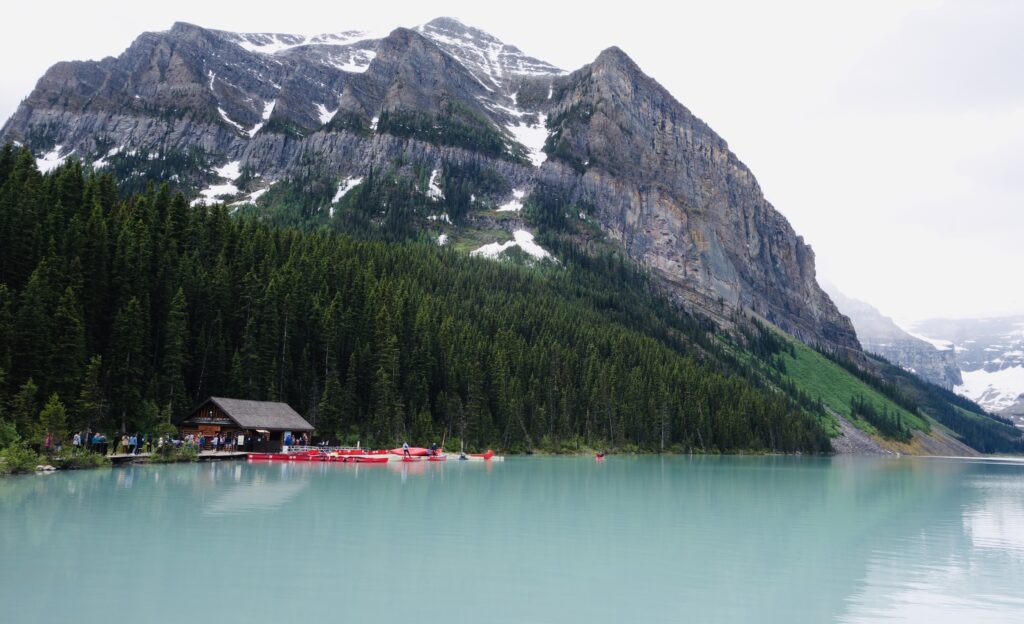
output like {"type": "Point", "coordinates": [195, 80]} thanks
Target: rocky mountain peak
{"type": "Point", "coordinates": [198, 107]}
{"type": "Point", "coordinates": [615, 57]}
{"type": "Point", "coordinates": [497, 65]}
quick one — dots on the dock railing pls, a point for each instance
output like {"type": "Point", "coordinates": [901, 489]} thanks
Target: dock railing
{"type": "Point", "coordinates": [300, 448]}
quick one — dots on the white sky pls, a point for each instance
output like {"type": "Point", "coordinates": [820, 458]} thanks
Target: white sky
{"type": "Point", "coordinates": [891, 134]}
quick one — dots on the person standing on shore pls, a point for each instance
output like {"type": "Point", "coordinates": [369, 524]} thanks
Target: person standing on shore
{"type": "Point", "coordinates": [76, 440]}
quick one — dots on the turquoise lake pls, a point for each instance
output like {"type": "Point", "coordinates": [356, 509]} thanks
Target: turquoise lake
{"type": "Point", "coordinates": [679, 539]}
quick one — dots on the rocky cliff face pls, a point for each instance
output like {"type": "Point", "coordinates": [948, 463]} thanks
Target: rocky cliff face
{"type": "Point", "coordinates": [236, 113]}
{"type": "Point", "coordinates": [934, 361]}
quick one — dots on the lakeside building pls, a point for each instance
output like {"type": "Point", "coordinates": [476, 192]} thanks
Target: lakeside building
{"type": "Point", "coordinates": [258, 426]}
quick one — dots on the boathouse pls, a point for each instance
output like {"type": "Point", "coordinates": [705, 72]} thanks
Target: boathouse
{"type": "Point", "coordinates": [258, 426]}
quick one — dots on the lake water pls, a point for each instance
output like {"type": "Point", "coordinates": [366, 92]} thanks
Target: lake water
{"type": "Point", "coordinates": [709, 539]}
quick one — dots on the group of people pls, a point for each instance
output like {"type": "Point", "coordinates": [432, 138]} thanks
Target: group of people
{"type": "Point", "coordinates": [290, 440]}
{"type": "Point", "coordinates": [214, 442]}
{"type": "Point", "coordinates": [127, 444]}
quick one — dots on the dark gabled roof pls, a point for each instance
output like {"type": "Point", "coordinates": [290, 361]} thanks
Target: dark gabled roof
{"type": "Point", "coordinates": [261, 414]}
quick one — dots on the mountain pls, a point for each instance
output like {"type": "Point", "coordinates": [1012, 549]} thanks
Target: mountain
{"type": "Point", "coordinates": [465, 134]}
{"type": "Point", "coordinates": [935, 361]}
{"type": "Point", "coordinates": [990, 353]}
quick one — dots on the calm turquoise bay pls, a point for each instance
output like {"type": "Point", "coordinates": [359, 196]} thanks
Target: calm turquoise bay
{"type": "Point", "coordinates": [652, 539]}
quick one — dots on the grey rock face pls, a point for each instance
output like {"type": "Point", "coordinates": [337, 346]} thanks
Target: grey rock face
{"type": "Point", "coordinates": [668, 188]}
{"type": "Point", "coordinates": [661, 182]}
{"type": "Point", "coordinates": [880, 334]}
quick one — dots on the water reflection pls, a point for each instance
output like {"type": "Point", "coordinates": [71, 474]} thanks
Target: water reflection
{"type": "Point", "coordinates": [553, 539]}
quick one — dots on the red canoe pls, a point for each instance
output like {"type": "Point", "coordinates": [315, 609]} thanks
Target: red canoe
{"type": "Point", "coordinates": [437, 458]}
{"type": "Point", "coordinates": [489, 454]}
{"type": "Point", "coordinates": [270, 456]}
{"type": "Point", "coordinates": [415, 451]}
{"type": "Point", "coordinates": [363, 459]}
{"type": "Point", "coordinates": [412, 459]}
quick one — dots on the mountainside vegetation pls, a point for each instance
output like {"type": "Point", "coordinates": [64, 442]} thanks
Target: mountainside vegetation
{"type": "Point", "coordinates": [127, 311]}
{"type": "Point", "coordinates": [121, 311]}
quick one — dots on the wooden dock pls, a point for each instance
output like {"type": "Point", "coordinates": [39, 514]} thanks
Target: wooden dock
{"type": "Point", "coordinates": [126, 458]}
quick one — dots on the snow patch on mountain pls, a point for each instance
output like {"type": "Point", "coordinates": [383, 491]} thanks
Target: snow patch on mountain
{"type": "Point", "coordinates": [51, 159]}
{"type": "Point", "coordinates": [346, 185]}
{"type": "Point", "coordinates": [274, 43]}
{"type": "Point", "coordinates": [101, 162]}
{"type": "Point", "coordinates": [268, 109]}
{"type": "Point", "coordinates": [996, 390]}
{"type": "Point", "coordinates": [521, 239]}
{"type": "Point", "coordinates": [230, 172]}
{"type": "Point", "coordinates": [325, 115]}
{"type": "Point", "coordinates": [516, 203]}
{"type": "Point", "coordinates": [224, 116]}
{"type": "Point", "coordinates": [353, 61]}
{"type": "Point", "coordinates": [532, 136]}
{"type": "Point", "coordinates": [433, 190]}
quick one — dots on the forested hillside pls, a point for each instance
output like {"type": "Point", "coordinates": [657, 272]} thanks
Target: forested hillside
{"type": "Point", "coordinates": [129, 310]}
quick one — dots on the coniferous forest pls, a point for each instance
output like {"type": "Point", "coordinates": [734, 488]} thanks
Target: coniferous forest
{"type": "Point", "coordinates": [126, 311]}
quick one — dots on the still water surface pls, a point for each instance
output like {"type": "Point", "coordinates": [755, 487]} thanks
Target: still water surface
{"type": "Point", "coordinates": [712, 539]}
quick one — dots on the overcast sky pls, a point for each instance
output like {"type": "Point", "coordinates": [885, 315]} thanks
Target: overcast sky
{"type": "Point", "coordinates": [891, 134]}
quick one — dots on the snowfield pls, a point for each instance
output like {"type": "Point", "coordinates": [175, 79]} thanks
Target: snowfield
{"type": "Point", "coordinates": [521, 239]}
{"type": "Point", "coordinates": [994, 391]}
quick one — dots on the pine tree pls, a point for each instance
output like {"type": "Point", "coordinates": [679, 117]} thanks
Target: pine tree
{"type": "Point", "coordinates": [52, 420]}
{"type": "Point", "coordinates": [68, 346]}
{"type": "Point", "coordinates": [175, 356]}
{"type": "Point", "coordinates": [128, 369]}
{"type": "Point", "coordinates": [330, 417]}
{"type": "Point", "coordinates": [92, 403]}
{"type": "Point", "coordinates": [24, 409]}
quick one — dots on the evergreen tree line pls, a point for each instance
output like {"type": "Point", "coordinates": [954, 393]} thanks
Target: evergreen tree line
{"type": "Point", "coordinates": [889, 424]}
{"type": "Point", "coordinates": [128, 311]}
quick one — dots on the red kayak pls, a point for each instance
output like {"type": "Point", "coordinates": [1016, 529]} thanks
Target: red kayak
{"type": "Point", "coordinates": [437, 458]}
{"type": "Point", "coordinates": [412, 459]}
{"type": "Point", "coordinates": [489, 454]}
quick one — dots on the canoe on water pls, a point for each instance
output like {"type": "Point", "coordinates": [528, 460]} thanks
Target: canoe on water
{"type": "Point", "coordinates": [270, 456]}
{"type": "Point", "coordinates": [363, 459]}
{"type": "Point", "coordinates": [437, 458]}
